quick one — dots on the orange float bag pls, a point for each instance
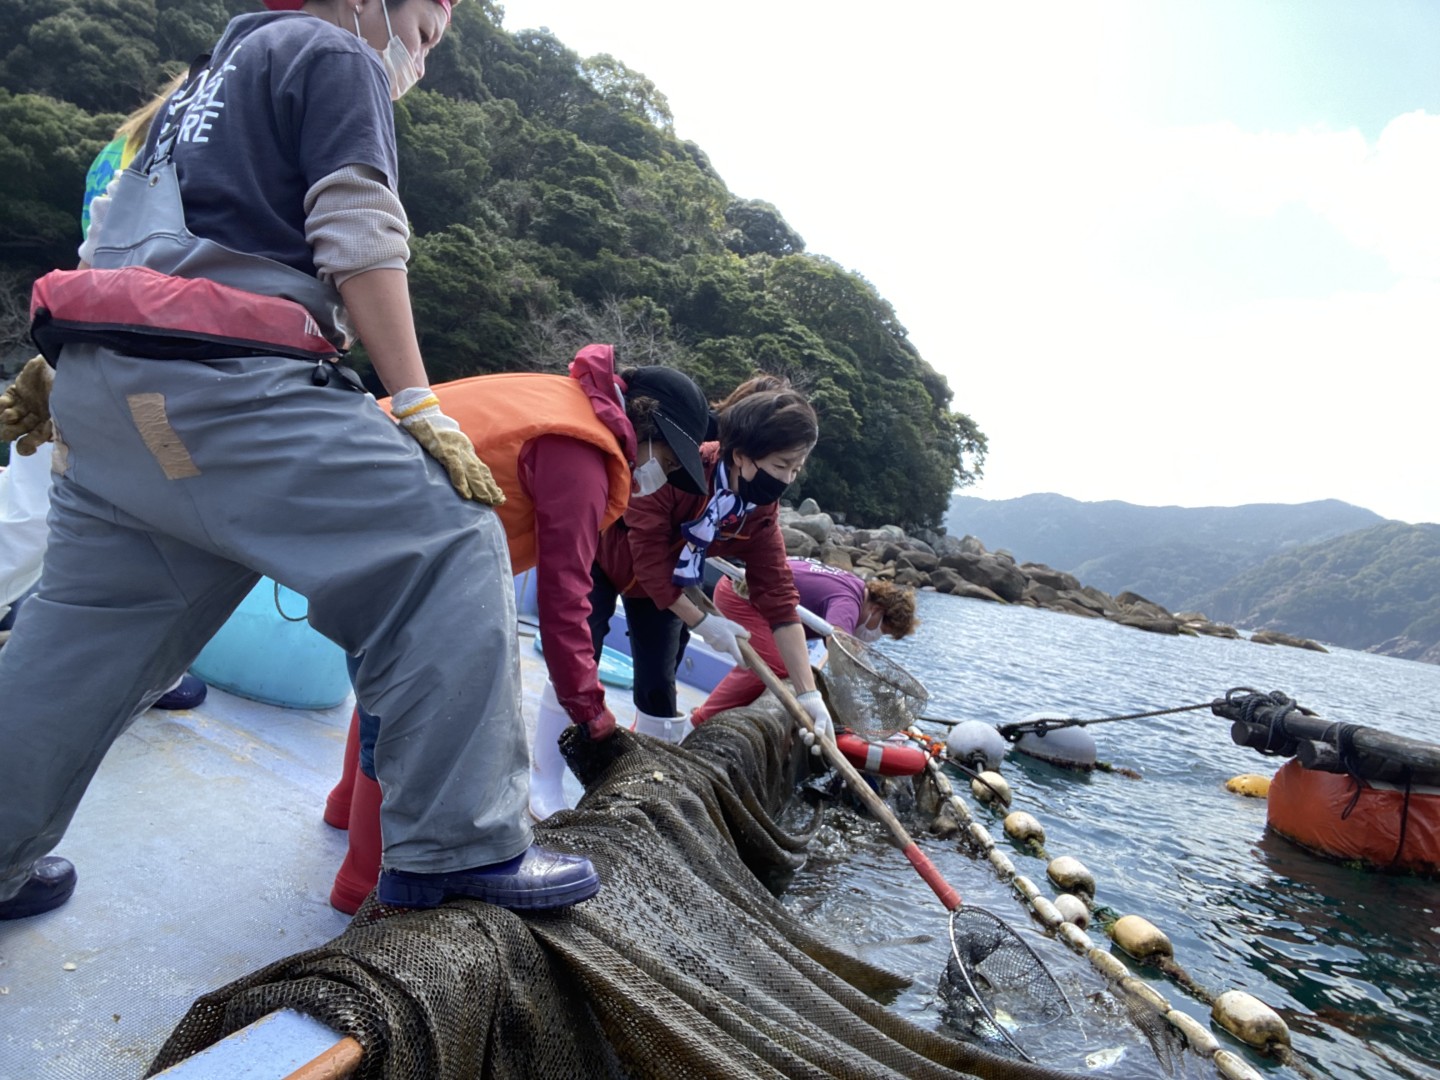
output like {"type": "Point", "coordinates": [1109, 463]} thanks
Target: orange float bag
{"type": "Point", "coordinates": [1309, 808]}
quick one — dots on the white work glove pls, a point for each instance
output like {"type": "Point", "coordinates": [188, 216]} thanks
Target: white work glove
{"type": "Point", "coordinates": [99, 208]}
{"type": "Point", "coordinates": [814, 704]}
{"type": "Point", "coordinates": [722, 635]}
{"type": "Point", "coordinates": [418, 411]}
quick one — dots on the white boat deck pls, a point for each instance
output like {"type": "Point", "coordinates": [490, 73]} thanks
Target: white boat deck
{"type": "Point", "coordinates": [202, 856]}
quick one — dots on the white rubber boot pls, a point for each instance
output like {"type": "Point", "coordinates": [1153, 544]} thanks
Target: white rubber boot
{"type": "Point", "coordinates": [670, 728]}
{"type": "Point", "coordinates": [547, 767]}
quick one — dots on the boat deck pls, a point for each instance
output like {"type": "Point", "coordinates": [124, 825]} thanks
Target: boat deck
{"type": "Point", "coordinates": [202, 856]}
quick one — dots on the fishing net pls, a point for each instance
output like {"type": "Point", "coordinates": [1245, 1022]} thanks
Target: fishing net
{"type": "Point", "coordinates": [869, 693]}
{"type": "Point", "coordinates": [990, 967]}
{"type": "Point", "coordinates": [685, 965]}
{"type": "Point", "coordinates": [993, 972]}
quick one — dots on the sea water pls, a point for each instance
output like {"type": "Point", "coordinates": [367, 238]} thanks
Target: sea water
{"type": "Point", "coordinates": [1350, 959]}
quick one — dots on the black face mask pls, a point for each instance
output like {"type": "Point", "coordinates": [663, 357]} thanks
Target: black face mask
{"type": "Point", "coordinates": [763, 490]}
{"type": "Point", "coordinates": [681, 480]}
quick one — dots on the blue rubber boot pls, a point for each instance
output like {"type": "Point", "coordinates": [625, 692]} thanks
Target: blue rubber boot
{"type": "Point", "coordinates": [51, 881]}
{"type": "Point", "coordinates": [534, 880]}
{"type": "Point", "coordinates": [188, 693]}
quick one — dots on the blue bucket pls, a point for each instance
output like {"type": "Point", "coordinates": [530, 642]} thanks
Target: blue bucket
{"type": "Point", "coordinates": [261, 655]}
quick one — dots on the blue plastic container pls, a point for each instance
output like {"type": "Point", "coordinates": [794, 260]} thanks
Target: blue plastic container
{"type": "Point", "coordinates": [262, 656]}
{"type": "Point", "coordinates": [615, 666]}
{"type": "Point", "coordinates": [527, 598]}
{"type": "Point", "coordinates": [700, 667]}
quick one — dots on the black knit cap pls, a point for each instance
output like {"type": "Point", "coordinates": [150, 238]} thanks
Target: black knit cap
{"type": "Point", "coordinates": [683, 416]}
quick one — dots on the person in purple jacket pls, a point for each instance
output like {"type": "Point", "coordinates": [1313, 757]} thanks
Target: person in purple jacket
{"type": "Point", "coordinates": [866, 609]}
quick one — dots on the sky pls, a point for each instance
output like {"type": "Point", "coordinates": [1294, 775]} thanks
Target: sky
{"type": "Point", "coordinates": [1172, 253]}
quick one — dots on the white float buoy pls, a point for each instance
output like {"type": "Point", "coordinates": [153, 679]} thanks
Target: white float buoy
{"type": "Point", "coordinates": [1232, 1067]}
{"type": "Point", "coordinates": [1047, 912]}
{"type": "Point", "coordinates": [1197, 1037]}
{"type": "Point", "coordinates": [1249, 1019]}
{"type": "Point", "coordinates": [1070, 874]}
{"type": "Point", "coordinates": [991, 787]}
{"type": "Point", "coordinates": [1070, 747]}
{"type": "Point", "coordinates": [1024, 828]}
{"type": "Point", "coordinates": [1107, 965]}
{"type": "Point", "coordinates": [1072, 909]}
{"type": "Point", "coordinates": [1141, 938]}
{"type": "Point", "coordinates": [976, 744]}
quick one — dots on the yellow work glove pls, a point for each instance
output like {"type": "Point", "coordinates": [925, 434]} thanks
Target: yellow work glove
{"type": "Point", "coordinates": [25, 408]}
{"type": "Point", "coordinates": [418, 411]}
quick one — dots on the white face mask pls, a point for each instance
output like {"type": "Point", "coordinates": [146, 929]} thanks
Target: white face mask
{"type": "Point", "coordinates": [650, 477]}
{"type": "Point", "coordinates": [399, 64]}
{"type": "Point", "coordinates": [866, 635]}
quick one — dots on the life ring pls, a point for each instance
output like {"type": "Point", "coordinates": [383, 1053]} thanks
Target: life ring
{"type": "Point", "coordinates": [1319, 811]}
{"type": "Point", "coordinates": [882, 758]}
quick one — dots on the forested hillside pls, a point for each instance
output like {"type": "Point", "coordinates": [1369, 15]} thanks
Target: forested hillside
{"type": "Point", "coordinates": [1377, 589]}
{"type": "Point", "coordinates": [552, 204]}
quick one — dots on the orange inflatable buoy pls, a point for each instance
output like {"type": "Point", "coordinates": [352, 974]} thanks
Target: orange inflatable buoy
{"type": "Point", "coordinates": [1308, 808]}
{"type": "Point", "coordinates": [884, 758]}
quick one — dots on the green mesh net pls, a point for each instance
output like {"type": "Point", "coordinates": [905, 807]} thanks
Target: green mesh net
{"type": "Point", "coordinates": [685, 965]}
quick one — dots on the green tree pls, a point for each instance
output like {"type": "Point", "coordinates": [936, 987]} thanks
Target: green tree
{"type": "Point", "coordinates": [550, 204]}
{"type": "Point", "coordinates": [443, 160]}
{"type": "Point", "coordinates": [91, 53]}
{"type": "Point", "coordinates": [46, 147]}
{"type": "Point", "coordinates": [757, 228]}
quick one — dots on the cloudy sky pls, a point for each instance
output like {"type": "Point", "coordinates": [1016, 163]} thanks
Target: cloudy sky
{"type": "Point", "coordinates": [1165, 252]}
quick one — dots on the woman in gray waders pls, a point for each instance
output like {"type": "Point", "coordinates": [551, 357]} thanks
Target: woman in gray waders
{"type": "Point", "coordinates": [205, 436]}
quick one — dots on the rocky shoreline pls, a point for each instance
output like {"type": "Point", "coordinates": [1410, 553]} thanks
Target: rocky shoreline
{"type": "Point", "coordinates": [963, 567]}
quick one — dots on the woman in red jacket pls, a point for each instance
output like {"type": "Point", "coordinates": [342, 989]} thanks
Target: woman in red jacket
{"type": "Point", "coordinates": [767, 430]}
{"type": "Point", "coordinates": [568, 453]}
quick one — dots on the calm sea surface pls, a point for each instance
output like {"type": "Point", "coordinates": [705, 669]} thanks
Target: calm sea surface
{"type": "Point", "coordinates": [1350, 959]}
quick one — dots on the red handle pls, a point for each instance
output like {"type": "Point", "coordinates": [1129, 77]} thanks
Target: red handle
{"type": "Point", "coordinates": [876, 805]}
{"type": "Point", "coordinates": [918, 859]}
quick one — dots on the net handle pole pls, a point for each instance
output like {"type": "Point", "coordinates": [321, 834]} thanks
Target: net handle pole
{"type": "Point", "coordinates": [833, 757]}
{"type": "Point", "coordinates": [341, 1060]}
{"type": "Point", "coordinates": [808, 617]}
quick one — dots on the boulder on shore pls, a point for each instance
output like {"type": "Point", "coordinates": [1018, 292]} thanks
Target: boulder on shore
{"type": "Point", "coordinates": [964, 567]}
{"type": "Point", "coordinates": [1275, 637]}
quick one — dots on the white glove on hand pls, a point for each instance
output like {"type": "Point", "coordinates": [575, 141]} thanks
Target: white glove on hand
{"type": "Point", "coordinates": [814, 704]}
{"type": "Point", "coordinates": [722, 635]}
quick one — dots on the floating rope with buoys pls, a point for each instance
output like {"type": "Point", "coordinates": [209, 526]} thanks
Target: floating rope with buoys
{"type": "Point", "coordinates": [1239, 1013]}
{"type": "Point", "coordinates": [1036, 736]}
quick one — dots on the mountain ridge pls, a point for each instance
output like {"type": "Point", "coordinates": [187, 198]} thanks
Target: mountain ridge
{"type": "Point", "coordinates": [1176, 555]}
{"type": "Point", "coordinates": [1324, 569]}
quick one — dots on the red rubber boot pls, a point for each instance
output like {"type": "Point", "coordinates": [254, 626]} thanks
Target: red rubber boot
{"type": "Point", "coordinates": [361, 868]}
{"type": "Point", "coordinates": [337, 803]}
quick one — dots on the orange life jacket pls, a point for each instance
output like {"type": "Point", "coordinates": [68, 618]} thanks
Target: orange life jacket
{"type": "Point", "coordinates": [501, 413]}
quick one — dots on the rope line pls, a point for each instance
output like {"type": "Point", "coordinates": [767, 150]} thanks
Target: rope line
{"type": "Point", "coordinates": [281, 610]}
{"type": "Point", "coordinates": [1046, 723]}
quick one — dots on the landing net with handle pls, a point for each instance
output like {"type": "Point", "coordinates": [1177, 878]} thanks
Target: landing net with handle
{"type": "Point", "coordinates": [874, 696]}
{"type": "Point", "coordinates": [869, 693]}
{"type": "Point", "coordinates": [686, 964]}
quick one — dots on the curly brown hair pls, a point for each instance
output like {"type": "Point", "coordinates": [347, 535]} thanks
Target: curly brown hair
{"type": "Point", "coordinates": [897, 607]}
